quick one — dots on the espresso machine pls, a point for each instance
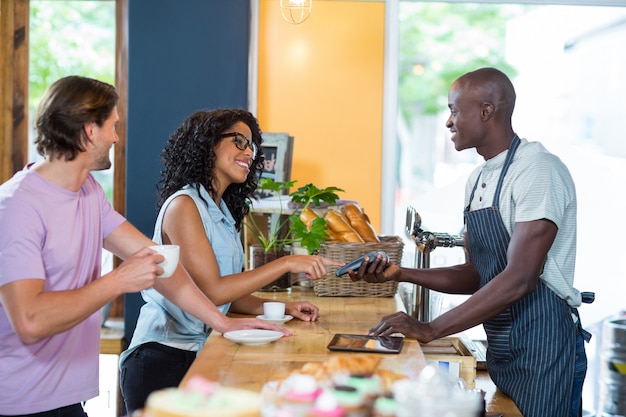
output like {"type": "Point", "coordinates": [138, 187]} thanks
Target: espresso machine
{"type": "Point", "coordinates": [419, 305]}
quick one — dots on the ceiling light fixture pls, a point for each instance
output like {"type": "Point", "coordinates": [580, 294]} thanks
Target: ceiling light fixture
{"type": "Point", "coordinates": [296, 11]}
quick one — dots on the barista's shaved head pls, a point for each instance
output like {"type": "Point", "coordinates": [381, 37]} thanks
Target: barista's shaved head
{"type": "Point", "coordinates": [481, 106]}
{"type": "Point", "coordinates": [489, 85]}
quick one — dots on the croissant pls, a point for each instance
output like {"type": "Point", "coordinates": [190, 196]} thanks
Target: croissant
{"type": "Point", "coordinates": [387, 378]}
{"type": "Point", "coordinates": [360, 222]}
{"type": "Point", "coordinates": [317, 370]}
{"type": "Point", "coordinates": [353, 364]}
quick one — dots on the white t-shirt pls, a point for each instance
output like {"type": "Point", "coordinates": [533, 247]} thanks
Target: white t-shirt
{"type": "Point", "coordinates": [537, 186]}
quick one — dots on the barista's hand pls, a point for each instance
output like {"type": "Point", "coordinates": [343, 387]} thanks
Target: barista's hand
{"type": "Point", "coordinates": [403, 323]}
{"type": "Point", "coordinates": [302, 310]}
{"type": "Point", "coordinates": [375, 270]}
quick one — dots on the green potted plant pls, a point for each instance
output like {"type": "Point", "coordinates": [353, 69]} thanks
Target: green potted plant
{"type": "Point", "coordinates": [283, 231]}
{"type": "Point", "coordinates": [275, 240]}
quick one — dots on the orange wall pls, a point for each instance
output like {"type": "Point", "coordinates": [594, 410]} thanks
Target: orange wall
{"type": "Point", "coordinates": [322, 82]}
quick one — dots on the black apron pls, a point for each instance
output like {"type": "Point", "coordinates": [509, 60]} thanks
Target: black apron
{"type": "Point", "coordinates": [531, 345]}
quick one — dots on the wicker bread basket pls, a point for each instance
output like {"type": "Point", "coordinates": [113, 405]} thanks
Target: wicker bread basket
{"type": "Point", "coordinates": [333, 286]}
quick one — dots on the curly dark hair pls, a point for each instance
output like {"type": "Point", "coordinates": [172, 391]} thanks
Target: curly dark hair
{"type": "Point", "coordinates": [189, 158]}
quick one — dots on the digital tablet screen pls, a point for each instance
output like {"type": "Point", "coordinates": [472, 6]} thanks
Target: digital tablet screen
{"type": "Point", "coordinates": [364, 343]}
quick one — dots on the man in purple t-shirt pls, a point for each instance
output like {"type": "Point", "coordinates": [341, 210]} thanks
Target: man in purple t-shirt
{"type": "Point", "coordinates": [54, 222]}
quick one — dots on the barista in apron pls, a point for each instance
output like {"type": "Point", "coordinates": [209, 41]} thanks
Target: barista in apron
{"type": "Point", "coordinates": [531, 352]}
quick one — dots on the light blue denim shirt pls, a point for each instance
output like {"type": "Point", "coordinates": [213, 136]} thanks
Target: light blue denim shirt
{"type": "Point", "coordinates": [159, 319]}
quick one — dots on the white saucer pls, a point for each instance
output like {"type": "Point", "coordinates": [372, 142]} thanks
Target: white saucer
{"type": "Point", "coordinates": [282, 320]}
{"type": "Point", "coordinates": [253, 337]}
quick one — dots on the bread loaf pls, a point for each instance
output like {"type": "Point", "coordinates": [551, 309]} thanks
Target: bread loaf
{"type": "Point", "coordinates": [352, 211]}
{"type": "Point", "coordinates": [339, 224]}
{"type": "Point", "coordinates": [333, 236]}
{"type": "Point", "coordinates": [307, 216]}
{"type": "Point", "coordinates": [360, 223]}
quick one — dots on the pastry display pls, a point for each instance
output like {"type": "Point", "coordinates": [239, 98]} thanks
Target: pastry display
{"type": "Point", "coordinates": [343, 386]}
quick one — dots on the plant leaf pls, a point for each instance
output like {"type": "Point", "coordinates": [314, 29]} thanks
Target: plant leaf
{"type": "Point", "coordinates": [298, 232]}
{"type": "Point", "coordinates": [311, 194]}
{"type": "Point", "coordinates": [311, 239]}
{"type": "Point", "coordinates": [268, 184]}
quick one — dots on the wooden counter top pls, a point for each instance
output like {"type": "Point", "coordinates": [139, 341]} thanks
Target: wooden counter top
{"type": "Point", "coordinates": [112, 336]}
{"type": "Point", "coordinates": [251, 367]}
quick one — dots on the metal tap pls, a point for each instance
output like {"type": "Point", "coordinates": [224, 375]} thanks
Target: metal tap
{"type": "Point", "coordinates": [426, 242]}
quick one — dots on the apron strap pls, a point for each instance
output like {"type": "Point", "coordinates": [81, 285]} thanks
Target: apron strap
{"type": "Point", "coordinates": [507, 164]}
{"type": "Point", "coordinates": [584, 333]}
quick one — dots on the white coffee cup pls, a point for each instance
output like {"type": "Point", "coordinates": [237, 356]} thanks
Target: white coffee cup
{"type": "Point", "coordinates": [171, 253]}
{"type": "Point", "coordinates": [274, 310]}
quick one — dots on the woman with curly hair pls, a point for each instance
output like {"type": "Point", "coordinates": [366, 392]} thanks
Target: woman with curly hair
{"type": "Point", "coordinates": [212, 163]}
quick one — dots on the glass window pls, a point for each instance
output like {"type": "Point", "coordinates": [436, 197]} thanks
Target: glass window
{"type": "Point", "coordinates": [71, 38]}
{"type": "Point", "coordinates": [567, 65]}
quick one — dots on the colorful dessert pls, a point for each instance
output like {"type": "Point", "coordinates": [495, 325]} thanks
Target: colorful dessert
{"type": "Point", "coordinates": [368, 385]}
{"type": "Point", "coordinates": [385, 407]}
{"type": "Point", "coordinates": [203, 398]}
{"type": "Point", "coordinates": [326, 405]}
{"type": "Point", "coordinates": [351, 401]}
{"type": "Point", "coordinates": [298, 394]}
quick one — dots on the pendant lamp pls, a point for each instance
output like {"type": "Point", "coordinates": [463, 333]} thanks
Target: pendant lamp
{"type": "Point", "coordinates": [296, 11]}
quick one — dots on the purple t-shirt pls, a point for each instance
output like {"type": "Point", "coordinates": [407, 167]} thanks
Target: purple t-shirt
{"type": "Point", "coordinates": [50, 233]}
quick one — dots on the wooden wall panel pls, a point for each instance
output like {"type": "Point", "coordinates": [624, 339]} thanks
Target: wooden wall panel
{"type": "Point", "coordinates": [13, 86]}
{"type": "Point", "coordinates": [121, 83]}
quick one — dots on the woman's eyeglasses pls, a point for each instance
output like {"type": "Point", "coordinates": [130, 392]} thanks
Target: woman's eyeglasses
{"type": "Point", "coordinates": [241, 142]}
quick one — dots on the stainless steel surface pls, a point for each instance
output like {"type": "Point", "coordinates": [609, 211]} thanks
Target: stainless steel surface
{"type": "Point", "coordinates": [426, 242]}
{"type": "Point", "coordinates": [613, 371]}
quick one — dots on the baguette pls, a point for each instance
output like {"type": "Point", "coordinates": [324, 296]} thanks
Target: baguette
{"type": "Point", "coordinates": [332, 236]}
{"type": "Point", "coordinates": [360, 223]}
{"type": "Point", "coordinates": [307, 216]}
{"type": "Point", "coordinates": [339, 224]}
{"type": "Point", "coordinates": [352, 211]}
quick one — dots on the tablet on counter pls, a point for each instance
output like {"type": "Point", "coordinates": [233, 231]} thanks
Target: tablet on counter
{"type": "Point", "coordinates": [365, 343]}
